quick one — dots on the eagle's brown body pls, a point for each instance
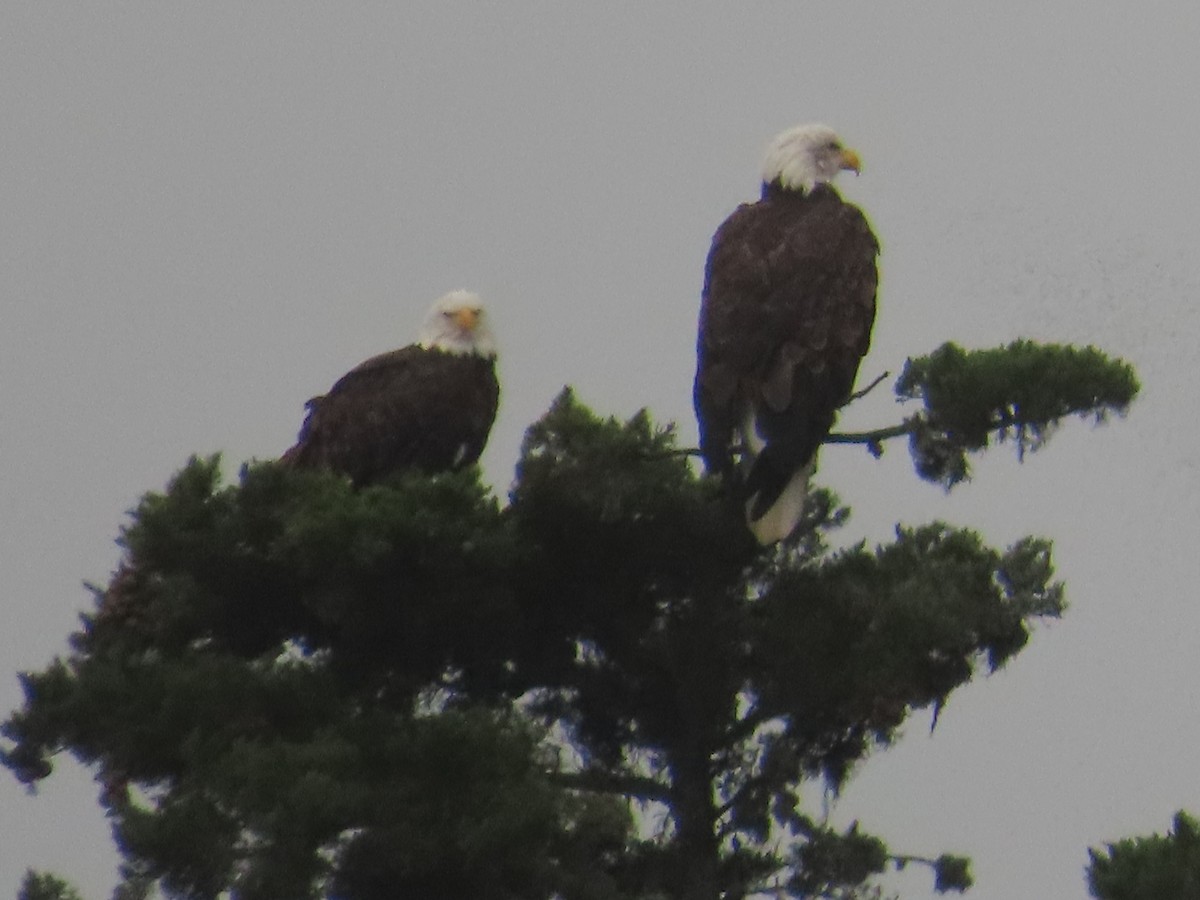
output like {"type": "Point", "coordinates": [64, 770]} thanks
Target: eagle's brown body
{"type": "Point", "coordinates": [788, 305]}
{"type": "Point", "coordinates": [413, 408]}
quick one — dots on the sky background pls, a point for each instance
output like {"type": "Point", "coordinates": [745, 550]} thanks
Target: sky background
{"type": "Point", "coordinates": [208, 212]}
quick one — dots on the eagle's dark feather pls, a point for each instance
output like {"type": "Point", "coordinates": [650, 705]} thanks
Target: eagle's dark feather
{"type": "Point", "coordinates": [412, 408]}
{"type": "Point", "coordinates": [788, 305]}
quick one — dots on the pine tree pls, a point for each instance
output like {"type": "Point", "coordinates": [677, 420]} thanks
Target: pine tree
{"type": "Point", "coordinates": [40, 886]}
{"type": "Point", "coordinates": [1149, 868]}
{"type": "Point", "coordinates": [601, 689]}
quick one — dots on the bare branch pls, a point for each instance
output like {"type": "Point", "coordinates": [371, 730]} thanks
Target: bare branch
{"type": "Point", "coordinates": [873, 439]}
{"type": "Point", "coordinates": [636, 786]}
{"type": "Point", "coordinates": [676, 451]}
{"type": "Point", "coordinates": [858, 395]}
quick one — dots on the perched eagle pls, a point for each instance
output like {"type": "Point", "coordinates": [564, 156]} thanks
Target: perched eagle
{"type": "Point", "coordinates": [428, 406]}
{"type": "Point", "coordinates": [786, 315]}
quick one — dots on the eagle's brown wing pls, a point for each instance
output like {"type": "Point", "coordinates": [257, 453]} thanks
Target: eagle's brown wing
{"type": "Point", "coordinates": [411, 408]}
{"type": "Point", "coordinates": [788, 305]}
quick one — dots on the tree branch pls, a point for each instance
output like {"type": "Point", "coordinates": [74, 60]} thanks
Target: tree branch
{"type": "Point", "coordinates": [674, 451]}
{"type": "Point", "coordinates": [870, 437]}
{"type": "Point", "coordinates": [636, 786]}
{"type": "Point", "coordinates": [858, 395]}
{"type": "Point", "coordinates": [746, 726]}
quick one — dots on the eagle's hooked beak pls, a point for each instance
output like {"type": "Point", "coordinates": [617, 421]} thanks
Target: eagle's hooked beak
{"type": "Point", "coordinates": [850, 161]}
{"type": "Point", "coordinates": [466, 318]}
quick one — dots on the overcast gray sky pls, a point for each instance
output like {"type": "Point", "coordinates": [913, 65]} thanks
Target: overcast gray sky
{"type": "Point", "coordinates": [210, 211]}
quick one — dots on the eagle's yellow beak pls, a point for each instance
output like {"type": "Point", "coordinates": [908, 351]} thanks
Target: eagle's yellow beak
{"type": "Point", "coordinates": [851, 161]}
{"type": "Point", "coordinates": [466, 318]}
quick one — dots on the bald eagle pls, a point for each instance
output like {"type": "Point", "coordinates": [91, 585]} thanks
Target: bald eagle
{"type": "Point", "coordinates": [785, 319]}
{"type": "Point", "coordinates": [428, 406]}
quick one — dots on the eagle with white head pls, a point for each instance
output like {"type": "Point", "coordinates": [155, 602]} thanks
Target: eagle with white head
{"type": "Point", "coordinates": [785, 320]}
{"type": "Point", "coordinates": [428, 406]}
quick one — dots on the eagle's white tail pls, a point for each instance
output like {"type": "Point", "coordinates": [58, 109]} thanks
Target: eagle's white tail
{"type": "Point", "coordinates": [780, 520]}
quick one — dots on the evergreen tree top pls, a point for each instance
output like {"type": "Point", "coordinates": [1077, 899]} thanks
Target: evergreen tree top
{"type": "Point", "coordinates": [294, 688]}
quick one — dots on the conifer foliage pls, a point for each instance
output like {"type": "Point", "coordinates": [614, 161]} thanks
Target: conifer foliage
{"type": "Point", "coordinates": [603, 689]}
{"type": "Point", "coordinates": [1153, 867]}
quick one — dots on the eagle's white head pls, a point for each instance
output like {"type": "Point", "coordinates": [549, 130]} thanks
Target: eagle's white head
{"type": "Point", "coordinates": [802, 157]}
{"type": "Point", "coordinates": [458, 323]}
